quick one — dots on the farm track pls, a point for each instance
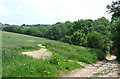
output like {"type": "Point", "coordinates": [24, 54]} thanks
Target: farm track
{"type": "Point", "coordinates": [106, 68]}
{"type": "Point", "coordinates": [42, 53]}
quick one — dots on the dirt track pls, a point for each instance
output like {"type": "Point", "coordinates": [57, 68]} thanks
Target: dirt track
{"type": "Point", "coordinates": [106, 68]}
{"type": "Point", "coordinates": [42, 53]}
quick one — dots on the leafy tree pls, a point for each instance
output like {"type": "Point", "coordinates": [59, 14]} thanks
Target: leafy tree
{"type": "Point", "coordinates": [66, 39]}
{"type": "Point", "coordinates": [82, 25]}
{"type": "Point", "coordinates": [87, 25]}
{"type": "Point", "coordinates": [77, 25]}
{"type": "Point", "coordinates": [78, 38]}
{"type": "Point", "coordinates": [69, 28]}
{"type": "Point", "coordinates": [57, 31]}
{"type": "Point", "coordinates": [43, 30]}
{"type": "Point", "coordinates": [114, 8]}
{"type": "Point", "coordinates": [32, 31]}
{"type": "Point", "coordinates": [116, 37]}
{"type": "Point", "coordinates": [95, 40]}
{"type": "Point", "coordinates": [101, 21]}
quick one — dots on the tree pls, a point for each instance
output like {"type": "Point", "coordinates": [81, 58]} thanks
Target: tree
{"type": "Point", "coordinates": [114, 8]}
{"type": "Point", "coordinates": [78, 38]}
{"type": "Point", "coordinates": [95, 40]}
{"type": "Point", "coordinates": [66, 39]}
{"type": "Point", "coordinates": [116, 37]}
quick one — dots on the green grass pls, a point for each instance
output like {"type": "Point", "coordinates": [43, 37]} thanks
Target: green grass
{"type": "Point", "coordinates": [15, 64]}
{"type": "Point", "coordinates": [73, 52]}
{"type": "Point", "coordinates": [102, 73]}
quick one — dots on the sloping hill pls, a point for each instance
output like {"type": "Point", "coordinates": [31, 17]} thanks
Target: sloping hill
{"type": "Point", "coordinates": [18, 65]}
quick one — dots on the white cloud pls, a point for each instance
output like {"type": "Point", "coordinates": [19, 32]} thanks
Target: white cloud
{"type": "Point", "coordinates": [4, 11]}
{"type": "Point", "coordinates": [20, 6]}
{"type": "Point", "coordinates": [70, 9]}
{"type": "Point", "coordinates": [52, 11]}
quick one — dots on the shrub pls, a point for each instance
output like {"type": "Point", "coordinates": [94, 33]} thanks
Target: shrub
{"type": "Point", "coordinates": [66, 39]}
{"type": "Point", "coordinates": [95, 40]}
{"type": "Point", "coordinates": [78, 38]}
{"type": "Point", "coordinates": [116, 37]}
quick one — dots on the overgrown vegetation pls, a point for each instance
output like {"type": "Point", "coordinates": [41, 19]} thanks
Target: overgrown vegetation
{"type": "Point", "coordinates": [85, 40]}
{"type": "Point", "coordinates": [114, 8]}
{"type": "Point", "coordinates": [87, 55]}
{"type": "Point", "coordinates": [17, 65]}
{"type": "Point", "coordinates": [96, 40]}
{"type": "Point", "coordinates": [70, 32]}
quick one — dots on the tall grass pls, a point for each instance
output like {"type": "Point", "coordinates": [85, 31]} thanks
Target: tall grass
{"type": "Point", "coordinates": [73, 52]}
{"type": "Point", "coordinates": [14, 64]}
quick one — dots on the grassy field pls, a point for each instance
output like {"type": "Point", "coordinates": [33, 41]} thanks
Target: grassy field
{"type": "Point", "coordinates": [15, 64]}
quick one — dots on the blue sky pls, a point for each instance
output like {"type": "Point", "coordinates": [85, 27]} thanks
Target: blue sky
{"type": "Point", "coordinates": [51, 11]}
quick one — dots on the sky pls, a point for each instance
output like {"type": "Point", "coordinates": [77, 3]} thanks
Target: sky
{"type": "Point", "coordinates": [51, 11]}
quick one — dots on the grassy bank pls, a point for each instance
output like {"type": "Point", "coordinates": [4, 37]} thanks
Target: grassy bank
{"type": "Point", "coordinates": [72, 52]}
{"type": "Point", "coordinates": [17, 65]}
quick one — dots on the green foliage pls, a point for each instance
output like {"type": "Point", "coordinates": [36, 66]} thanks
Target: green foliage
{"type": "Point", "coordinates": [78, 38]}
{"type": "Point", "coordinates": [68, 32]}
{"type": "Point", "coordinates": [114, 8]}
{"type": "Point", "coordinates": [63, 64]}
{"type": "Point", "coordinates": [101, 21]}
{"type": "Point", "coordinates": [71, 32]}
{"type": "Point", "coordinates": [66, 39]}
{"type": "Point", "coordinates": [116, 37]}
{"type": "Point", "coordinates": [95, 40]}
{"type": "Point", "coordinates": [73, 52]}
{"type": "Point", "coordinates": [82, 25]}
{"type": "Point", "coordinates": [14, 64]}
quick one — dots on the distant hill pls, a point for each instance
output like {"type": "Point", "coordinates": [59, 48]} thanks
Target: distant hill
{"type": "Point", "coordinates": [26, 25]}
{"type": "Point", "coordinates": [35, 25]}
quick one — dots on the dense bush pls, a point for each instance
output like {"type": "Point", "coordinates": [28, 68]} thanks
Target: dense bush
{"type": "Point", "coordinates": [78, 38]}
{"type": "Point", "coordinates": [95, 40]}
{"type": "Point", "coordinates": [66, 39]}
{"type": "Point", "coordinates": [116, 37]}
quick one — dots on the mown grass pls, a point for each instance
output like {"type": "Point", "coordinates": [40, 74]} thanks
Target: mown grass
{"type": "Point", "coordinates": [15, 64]}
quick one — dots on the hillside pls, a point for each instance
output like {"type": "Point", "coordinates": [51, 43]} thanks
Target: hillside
{"type": "Point", "coordinates": [17, 65]}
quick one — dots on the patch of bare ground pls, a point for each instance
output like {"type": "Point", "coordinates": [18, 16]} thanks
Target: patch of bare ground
{"type": "Point", "coordinates": [105, 68]}
{"type": "Point", "coordinates": [42, 53]}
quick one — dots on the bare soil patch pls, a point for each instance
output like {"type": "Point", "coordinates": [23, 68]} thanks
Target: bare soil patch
{"type": "Point", "coordinates": [42, 53]}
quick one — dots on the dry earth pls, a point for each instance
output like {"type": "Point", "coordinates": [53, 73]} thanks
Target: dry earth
{"type": "Point", "coordinates": [106, 68]}
{"type": "Point", "coordinates": [42, 53]}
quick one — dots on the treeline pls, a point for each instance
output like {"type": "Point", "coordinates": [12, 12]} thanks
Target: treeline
{"type": "Point", "coordinates": [26, 25]}
{"type": "Point", "coordinates": [88, 33]}
{"type": "Point", "coordinates": [34, 25]}
{"type": "Point", "coordinates": [114, 9]}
